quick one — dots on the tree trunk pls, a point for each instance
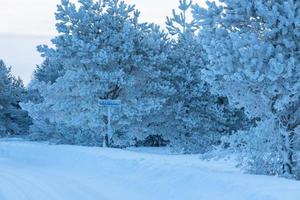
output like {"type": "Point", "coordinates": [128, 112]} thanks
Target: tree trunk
{"type": "Point", "coordinates": [289, 120]}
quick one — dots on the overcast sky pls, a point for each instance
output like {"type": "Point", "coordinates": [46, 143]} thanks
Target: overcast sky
{"type": "Point", "coordinates": [27, 23]}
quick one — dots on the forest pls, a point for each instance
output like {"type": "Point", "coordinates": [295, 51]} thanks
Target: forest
{"type": "Point", "coordinates": [219, 81]}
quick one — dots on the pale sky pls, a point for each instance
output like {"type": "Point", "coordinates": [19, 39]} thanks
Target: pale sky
{"type": "Point", "coordinates": [27, 23]}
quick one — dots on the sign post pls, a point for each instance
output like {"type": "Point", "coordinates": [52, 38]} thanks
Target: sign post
{"type": "Point", "coordinates": [109, 103]}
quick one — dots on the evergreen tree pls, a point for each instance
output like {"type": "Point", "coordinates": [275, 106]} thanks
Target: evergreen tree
{"type": "Point", "coordinates": [195, 118]}
{"type": "Point", "coordinates": [13, 120]}
{"type": "Point", "coordinates": [48, 71]}
{"type": "Point", "coordinates": [105, 54]}
{"type": "Point", "coordinates": [254, 60]}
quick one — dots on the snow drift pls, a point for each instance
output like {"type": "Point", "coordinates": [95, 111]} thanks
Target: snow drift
{"type": "Point", "coordinates": [38, 171]}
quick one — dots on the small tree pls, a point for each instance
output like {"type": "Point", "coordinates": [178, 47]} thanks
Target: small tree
{"type": "Point", "coordinates": [49, 71]}
{"type": "Point", "coordinates": [13, 120]}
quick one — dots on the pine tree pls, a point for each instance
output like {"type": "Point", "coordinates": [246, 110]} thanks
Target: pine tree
{"type": "Point", "coordinates": [48, 71]}
{"type": "Point", "coordinates": [194, 118]}
{"type": "Point", "coordinates": [13, 120]}
{"type": "Point", "coordinates": [106, 54]}
{"type": "Point", "coordinates": [254, 60]}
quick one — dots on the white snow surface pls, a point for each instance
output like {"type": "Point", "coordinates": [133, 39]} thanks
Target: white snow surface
{"type": "Point", "coordinates": [38, 171]}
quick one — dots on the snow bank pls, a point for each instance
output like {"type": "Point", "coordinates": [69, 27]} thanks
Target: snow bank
{"type": "Point", "coordinates": [38, 171]}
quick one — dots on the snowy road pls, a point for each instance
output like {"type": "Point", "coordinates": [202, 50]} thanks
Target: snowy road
{"type": "Point", "coordinates": [35, 171]}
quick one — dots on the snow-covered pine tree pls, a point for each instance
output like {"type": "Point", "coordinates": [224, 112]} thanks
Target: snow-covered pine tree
{"type": "Point", "coordinates": [254, 60]}
{"type": "Point", "coordinates": [13, 120]}
{"type": "Point", "coordinates": [194, 119]}
{"type": "Point", "coordinates": [106, 53]}
{"type": "Point", "coordinates": [48, 71]}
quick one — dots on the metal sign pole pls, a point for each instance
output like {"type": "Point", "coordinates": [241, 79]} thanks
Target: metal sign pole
{"type": "Point", "coordinates": [109, 130]}
{"type": "Point", "coordinates": [109, 104]}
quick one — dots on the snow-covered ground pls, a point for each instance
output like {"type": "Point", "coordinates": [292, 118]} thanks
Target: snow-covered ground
{"type": "Point", "coordinates": [37, 171]}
